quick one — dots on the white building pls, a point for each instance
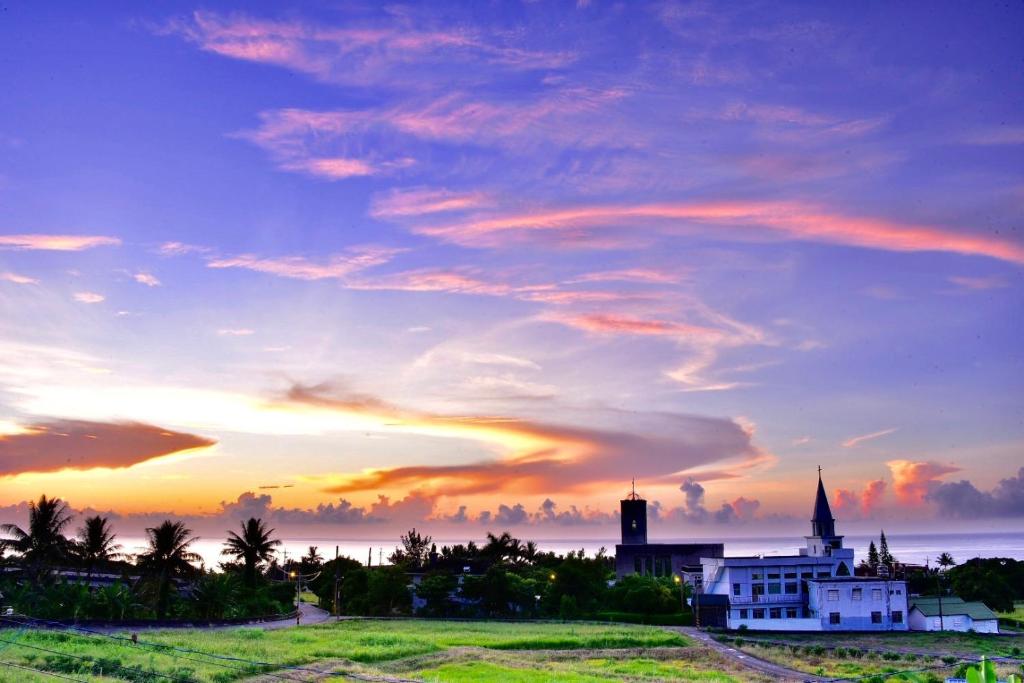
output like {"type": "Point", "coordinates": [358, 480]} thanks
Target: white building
{"type": "Point", "coordinates": [951, 614]}
{"type": "Point", "coordinates": [858, 603]}
{"type": "Point", "coordinates": [776, 592]}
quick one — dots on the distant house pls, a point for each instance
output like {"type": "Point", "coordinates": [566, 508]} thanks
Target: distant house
{"type": "Point", "coordinates": [951, 614]}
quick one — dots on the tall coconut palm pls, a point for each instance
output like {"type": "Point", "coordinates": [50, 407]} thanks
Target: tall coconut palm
{"type": "Point", "coordinates": [168, 557]}
{"type": "Point", "coordinates": [44, 544]}
{"type": "Point", "coordinates": [96, 544]}
{"type": "Point", "coordinates": [254, 546]}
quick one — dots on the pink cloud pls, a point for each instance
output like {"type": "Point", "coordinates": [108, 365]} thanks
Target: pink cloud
{"type": "Point", "coordinates": [913, 480]}
{"type": "Point", "coordinates": [788, 220]}
{"type": "Point", "coordinates": [334, 168]}
{"type": "Point", "coordinates": [301, 268]}
{"type": "Point", "coordinates": [56, 242]}
{"type": "Point", "coordinates": [643, 275]}
{"type": "Point", "coordinates": [620, 324]}
{"type": "Point", "coordinates": [423, 201]}
{"type": "Point", "coordinates": [978, 284]}
{"type": "Point", "coordinates": [89, 297]}
{"type": "Point", "coordinates": [853, 441]}
{"type": "Point", "coordinates": [871, 496]}
{"type": "Point", "coordinates": [147, 279]}
{"type": "Point", "coordinates": [18, 279]}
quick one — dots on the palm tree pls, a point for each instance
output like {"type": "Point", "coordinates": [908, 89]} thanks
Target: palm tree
{"type": "Point", "coordinates": [253, 547]}
{"type": "Point", "coordinates": [44, 543]}
{"type": "Point", "coordinates": [95, 543]}
{"type": "Point", "coordinates": [312, 561]}
{"type": "Point", "coordinates": [945, 560]}
{"type": "Point", "coordinates": [168, 558]}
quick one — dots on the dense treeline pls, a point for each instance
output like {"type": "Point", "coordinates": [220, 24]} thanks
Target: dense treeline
{"type": "Point", "coordinates": [504, 578]}
{"type": "Point", "coordinates": [51, 575]}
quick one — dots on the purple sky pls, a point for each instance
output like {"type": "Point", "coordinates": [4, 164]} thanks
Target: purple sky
{"type": "Point", "coordinates": [497, 254]}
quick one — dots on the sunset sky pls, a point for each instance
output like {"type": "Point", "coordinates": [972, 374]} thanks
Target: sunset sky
{"type": "Point", "coordinates": [477, 266]}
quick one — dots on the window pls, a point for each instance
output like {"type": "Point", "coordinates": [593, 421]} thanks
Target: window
{"type": "Point", "coordinates": [638, 565]}
{"type": "Point", "coordinates": [791, 612]}
{"type": "Point", "coordinates": [897, 617]}
{"type": "Point", "coordinates": [833, 595]}
{"type": "Point", "coordinates": [743, 613]}
{"type": "Point", "coordinates": [757, 590]}
{"type": "Point", "coordinates": [876, 593]}
{"type": "Point", "coordinates": [773, 575]}
{"type": "Point", "coordinates": [833, 618]}
{"type": "Point", "coordinates": [807, 574]}
{"type": "Point", "coordinates": [792, 588]}
{"type": "Point", "coordinates": [790, 573]}
{"type": "Point", "coordinates": [759, 613]}
{"type": "Point", "coordinates": [756, 574]}
{"type": "Point", "coordinates": [876, 617]}
{"type": "Point", "coordinates": [774, 588]}
{"type": "Point", "coordinates": [824, 574]}
{"type": "Point", "coordinates": [737, 589]}
{"type": "Point", "coordinates": [857, 593]}
{"type": "Point", "coordinates": [775, 612]}
{"type": "Point", "coordinates": [958, 622]}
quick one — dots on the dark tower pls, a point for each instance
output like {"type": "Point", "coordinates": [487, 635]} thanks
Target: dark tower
{"type": "Point", "coordinates": [633, 513]}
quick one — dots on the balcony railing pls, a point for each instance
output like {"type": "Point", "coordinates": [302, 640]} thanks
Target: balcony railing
{"type": "Point", "coordinates": [765, 599]}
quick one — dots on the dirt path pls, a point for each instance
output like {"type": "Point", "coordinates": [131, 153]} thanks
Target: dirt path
{"type": "Point", "coordinates": [773, 670]}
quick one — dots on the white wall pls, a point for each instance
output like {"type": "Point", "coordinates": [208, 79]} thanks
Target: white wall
{"type": "Point", "coordinates": [806, 624]}
{"type": "Point", "coordinates": [951, 622]}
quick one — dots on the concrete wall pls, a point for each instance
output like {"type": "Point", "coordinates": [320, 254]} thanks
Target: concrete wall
{"type": "Point", "coordinates": [806, 624]}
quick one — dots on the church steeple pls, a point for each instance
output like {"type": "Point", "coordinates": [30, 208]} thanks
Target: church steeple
{"type": "Point", "coordinates": [822, 522]}
{"type": "Point", "coordinates": [823, 539]}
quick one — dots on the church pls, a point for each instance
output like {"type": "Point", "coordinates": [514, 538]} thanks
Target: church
{"type": "Point", "coordinates": [636, 556]}
{"type": "Point", "coordinates": [815, 590]}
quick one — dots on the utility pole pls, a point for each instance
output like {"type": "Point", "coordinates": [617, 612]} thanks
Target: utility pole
{"type": "Point", "coordinates": [337, 578]}
{"type": "Point", "coordinates": [938, 579]}
{"type": "Point", "coordinates": [369, 557]}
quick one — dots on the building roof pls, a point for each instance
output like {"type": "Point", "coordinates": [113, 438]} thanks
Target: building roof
{"type": "Point", "coordinates": [855, 579]}
{"type": "Point", "coordinates": [822, 511]}
{"type": "Point", "coordinates": [952, 606]}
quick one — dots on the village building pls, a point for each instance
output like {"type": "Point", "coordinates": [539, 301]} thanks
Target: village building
{"type": "Point", "coordinates": [951, 614]}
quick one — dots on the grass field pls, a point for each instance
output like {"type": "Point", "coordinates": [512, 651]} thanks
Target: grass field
{"type": "Point", "coordinates": [408, 649]}
{"type": "Point", "coordinates": [883, 655]}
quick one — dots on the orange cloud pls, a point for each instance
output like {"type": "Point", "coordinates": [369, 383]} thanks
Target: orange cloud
{"type": "Point", "coordinates": [538, 457]}
{"type": "Point", "coordinates": [609, 323]}
{"type": "Point", "coordinates": [56, 242]}
{"type": "Point", "coordinates": [82, 445]}
{"type": "Point", "coordinates": [871, 496]}
{"type": "Point", "coordinates": [789, 220]}
{"type": "Point", "coordinates": [912, 480]}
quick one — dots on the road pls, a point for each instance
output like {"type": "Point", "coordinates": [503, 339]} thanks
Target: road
{"type": "Point", "coordinates": [773, 670]}
{"type": "Point", "coordinates": [308, 615]}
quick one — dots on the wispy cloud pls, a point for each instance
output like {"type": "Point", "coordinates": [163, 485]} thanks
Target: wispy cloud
{"type": "Point", "coordinates": [787, 220]}
{"type": "Point", "coordinates": [854, 440]}
{"type": "Point", "coordinates": [56, 242]}
{"type": "Point", "coordinates": [89, 297]}
{"type": "Point", "coordinates": [422, 201]}
{"type": "Point", "coordinates": [299, 267]}
{"type": "Point", "coordinates": [979, 283]}
{"type": "Point", "coordinates": [235, 332]}
{"type": "Point", "coordinates": [148, 279]}
{"type": "Point", "coordinates": [389, 52]}
{"type": "Point", "coordinates": [18, 279]}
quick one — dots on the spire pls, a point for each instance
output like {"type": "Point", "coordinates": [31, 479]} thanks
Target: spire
{"type": "Point", "coordinates": [822, 523]}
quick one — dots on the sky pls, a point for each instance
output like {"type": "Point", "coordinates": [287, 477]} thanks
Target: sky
{"type": "Point", "coordinates": [474, 266]}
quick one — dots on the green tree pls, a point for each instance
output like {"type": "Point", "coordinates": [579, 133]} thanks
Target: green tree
{"type": "Point", "coordinates": [884, 556]}
{"type": "Point", "coordinates": [167, 558]}
{"type": "Point", "coordinates": [312, 560]}
{"type": "Point", "coordinates": [44, 544]}
{"type": "Point", "coordinates": [96, 543]}
{"type": "Point", "coordinates": [215, 596]}
{"type": "Point", "coordinates": [253, 547]}
{"type": "Point", "coordinates": [873, 559]}
{"type": "Point", "coordinates": [414, 551]}
{"type": "Point", "coordinates": [945, 561]}
{"type": "Point", "coordinates": [388, 591]}
{"type": "Point", "coordinates": [436, 590]}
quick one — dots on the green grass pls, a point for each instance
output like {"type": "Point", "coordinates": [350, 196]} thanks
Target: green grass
{"type": "Point", "coordinates": [358, 645]}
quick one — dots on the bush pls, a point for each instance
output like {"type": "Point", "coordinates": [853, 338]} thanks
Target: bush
{"type": "Point", "coordinates": [652, 619]}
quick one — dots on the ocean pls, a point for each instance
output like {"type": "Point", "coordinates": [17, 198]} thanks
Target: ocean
{"type": "Point", "coordinates": [909, 548]}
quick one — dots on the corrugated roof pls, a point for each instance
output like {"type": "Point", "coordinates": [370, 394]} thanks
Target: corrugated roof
{"type": "Point", "coordinates": [952, 606]}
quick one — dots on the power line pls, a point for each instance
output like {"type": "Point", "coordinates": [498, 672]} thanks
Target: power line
{"type": "Point", "coordinates": [87, 658]}
{"type": "Point", "coordinates": [45, 673]}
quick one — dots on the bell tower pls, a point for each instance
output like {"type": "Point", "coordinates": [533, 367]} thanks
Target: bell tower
{"type": "Point", "coordinates": [633, 514]}
{"type": "Point", "coordinates": [823, 539]}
